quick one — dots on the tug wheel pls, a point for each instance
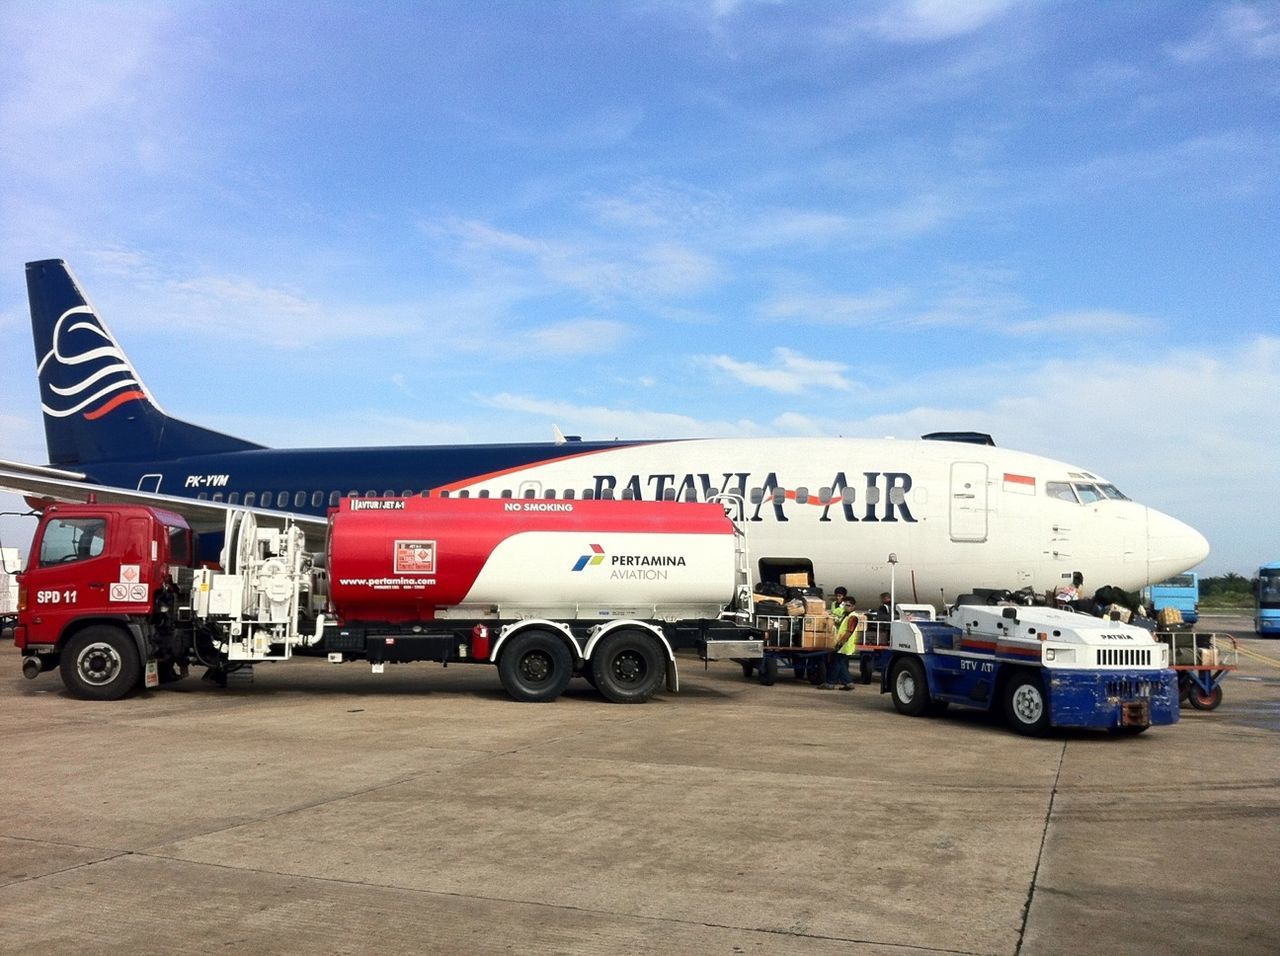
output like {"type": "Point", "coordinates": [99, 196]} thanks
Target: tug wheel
{"type": "Point", "coordinates": [908, 687]}
{"type": "Point", "coordinates": [1025, 704]}
{"type": "Point", "coordinates": [1202, 701]}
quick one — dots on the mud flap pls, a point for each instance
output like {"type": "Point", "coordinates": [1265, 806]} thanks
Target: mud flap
{"type": "Point", "coordinates": [673, 677]}
{"type": "Point", "coordinates": [152, 675]}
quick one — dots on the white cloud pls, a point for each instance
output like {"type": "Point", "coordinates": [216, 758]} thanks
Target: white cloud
{"type": "Point", "coordinates": [604, 422]}
{"type": "Point", "coordinates": [578, 337]}
{"type": "Point", "coordinates": [601, 270]}
{"type": "Point", "coordinates": [1244, 30]}
{"type": "Point", "coordinates": [1095, 322]}
{"type": "Point", "coordinates": [871, 308]}
{"type": "Point", "coordinates": [791, 373]}
{"type": "Point", "coordinates": [926, 21]}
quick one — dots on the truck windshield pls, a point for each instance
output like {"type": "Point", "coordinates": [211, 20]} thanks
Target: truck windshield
{"type": "Point", "coordinates": [72, 539]}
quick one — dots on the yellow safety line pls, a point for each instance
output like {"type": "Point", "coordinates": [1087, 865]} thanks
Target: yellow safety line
{"type": "Point", "coordinates": [1254, 655]}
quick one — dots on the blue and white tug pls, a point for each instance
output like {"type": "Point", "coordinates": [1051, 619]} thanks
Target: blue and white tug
{"type": "Point", "coordinates": [1042, 666]}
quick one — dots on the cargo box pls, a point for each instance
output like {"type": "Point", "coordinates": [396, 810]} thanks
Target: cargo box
{"type": "Point", "coordinates": [797, 579]}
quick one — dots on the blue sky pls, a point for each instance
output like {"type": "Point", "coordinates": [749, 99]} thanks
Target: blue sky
{"type": "Point", "coordinates": [331, 223]}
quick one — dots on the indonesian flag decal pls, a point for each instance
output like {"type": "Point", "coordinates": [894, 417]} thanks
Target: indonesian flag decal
{"type": "Point", "coordinates": [1019, 484]}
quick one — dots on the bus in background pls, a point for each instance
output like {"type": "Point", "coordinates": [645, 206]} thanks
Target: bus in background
{"type": "Point", "coordinates": [1182, 591]}
{"type": "Point", "coordinates": [1266, 600]}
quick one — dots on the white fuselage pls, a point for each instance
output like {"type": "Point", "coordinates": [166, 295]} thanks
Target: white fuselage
{"type": "Point", "coordinates": [957, 516]}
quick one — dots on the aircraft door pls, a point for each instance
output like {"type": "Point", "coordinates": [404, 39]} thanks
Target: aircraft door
{"type": "Point", "coordinates": [968, 501]}
{"type": "Point", "coordinates": [150, 482]}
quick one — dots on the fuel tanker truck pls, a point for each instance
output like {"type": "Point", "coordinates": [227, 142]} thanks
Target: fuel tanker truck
{"type": "Point", "coordinates": [543, 590]}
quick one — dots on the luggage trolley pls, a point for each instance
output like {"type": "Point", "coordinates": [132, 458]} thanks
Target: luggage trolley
{"type": "Point", "coordinates": [785, 639]}
{"type": "Point", "coordinates": [1202, 660]}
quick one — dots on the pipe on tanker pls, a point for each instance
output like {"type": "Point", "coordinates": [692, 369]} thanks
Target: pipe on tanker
{"type": "Point", "coordinates": [32, 667]}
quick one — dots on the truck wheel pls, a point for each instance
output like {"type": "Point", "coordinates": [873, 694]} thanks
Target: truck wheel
{"type": "Point", "coordinates": [100, 663]}
{"type": "Point", "coordinates": [908, 687]}
{"type": "Point", "coordinates": [628, 667]}
{"type": "Point", "coordinates": [1202, 701]}
{"type": "Point", "coordinates": [866, 670]}
{"type": "Point", "coordinates": [1025, 704]}
{"type": "Point", "coordinates": [748, 669]}
{"type": "Point", "coordinates": [769, 671]}
{"type": "Point", "coordinates": [817, 673]}
{"type": "Point", "coordinates": [535, 667]}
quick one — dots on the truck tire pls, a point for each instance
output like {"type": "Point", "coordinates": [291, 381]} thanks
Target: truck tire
{"type": "Point", "coordinates": [866, 670]}
{"type": "Point", "coordinates": [769, 671]}
{"type": "Point", "coordinates": [1025, 705]}
{"type": "Point", "coordinates": [1202, 701]}
{"type": "Point", "coordinates": [100, 663]}
{"type": "Point", "coordinates": [628, 667]}
{"type": "Point", "coordinates": [908, 687]}
{"type": "Point", "coordinates": [535, 667]}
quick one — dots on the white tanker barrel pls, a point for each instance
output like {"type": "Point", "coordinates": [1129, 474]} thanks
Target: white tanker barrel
{"type": "Point", "coordinates": [407, 559]}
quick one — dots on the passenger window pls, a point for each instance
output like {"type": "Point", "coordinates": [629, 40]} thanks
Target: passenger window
{"type": "Point", "coordinates": [282, 499]}
{"type": "Point", "coordinates": [1061, 490]}
{"type": "Point", "coordinates": [72, 539]}
{"type": "Point", "coordinates": [317, 499]}
{"type": "Point", "coordinates": [482, 493]}
{"type": "Point", "coordinates": [549, 494]}
{"type": "Point", "coordinates": [233, 498]}
{"type": "Point", "coordinates": [334, 498]}
{"type": "Point", "coordinates": [371, 493]}
{"type": "Point", "coordinates": [568, 494]}
{"type": "Point", "coordinates": [203, 496]}
{"type": "Point", "coordinates": [506, 493]}
{"type": "Point", "coordinates": [217, 496]}
{"type": "Point", "coordinates": [464, 493]}
{"type": "Point", "coordinates": [249, 498]}
{"type": "Point", "coordinates": [266, 499]}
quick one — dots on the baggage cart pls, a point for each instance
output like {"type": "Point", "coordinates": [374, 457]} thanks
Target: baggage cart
{"type": "Point", "coordinates": [1202, 660]}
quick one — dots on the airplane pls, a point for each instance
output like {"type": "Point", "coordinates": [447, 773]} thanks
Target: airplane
{"type": "Point", "coordinates": [937, 516]}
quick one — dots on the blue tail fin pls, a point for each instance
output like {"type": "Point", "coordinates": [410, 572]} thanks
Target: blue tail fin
{"type": "Point", "coordinates": [96, 407]}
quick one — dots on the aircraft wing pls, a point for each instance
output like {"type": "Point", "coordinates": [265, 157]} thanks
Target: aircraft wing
{"type": "Point", "coordinates": [41, 484]}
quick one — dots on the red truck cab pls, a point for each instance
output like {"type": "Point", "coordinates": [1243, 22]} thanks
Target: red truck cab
{"type": "Point", "coordinates": [87, 599]}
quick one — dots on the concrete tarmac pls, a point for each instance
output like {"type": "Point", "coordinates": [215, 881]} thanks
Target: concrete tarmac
{"type": "Point", "coordinates": [324, 809]}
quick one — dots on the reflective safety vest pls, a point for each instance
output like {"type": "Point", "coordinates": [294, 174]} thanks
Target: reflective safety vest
{"type": "Point", "coordinates": [851, 630]}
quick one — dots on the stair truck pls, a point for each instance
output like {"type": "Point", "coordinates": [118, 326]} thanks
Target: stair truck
{"type": "Point", "coordinates": [1041, 666]}
{"type": "Point", "coordinates": [545, 591]}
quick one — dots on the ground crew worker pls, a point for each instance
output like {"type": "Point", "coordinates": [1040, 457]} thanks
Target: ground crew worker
{"type": "Point", "coordinates": [848, 636]}
{"type": "Point", "coordinates": [838, 598]}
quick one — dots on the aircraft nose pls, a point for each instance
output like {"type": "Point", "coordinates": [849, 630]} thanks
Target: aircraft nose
{"type": "Point", "coordinates": [1172, 547]}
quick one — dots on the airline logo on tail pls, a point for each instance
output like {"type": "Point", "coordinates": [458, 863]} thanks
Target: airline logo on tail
{"type": "Point", "coordinates": [85, 372]}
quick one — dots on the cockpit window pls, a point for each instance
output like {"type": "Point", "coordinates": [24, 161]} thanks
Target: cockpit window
{"type": "Point", "coordinates": [1114, 493]}
{"type": "Point", "coordinates": [1088, 494]}
{"type": "Point", "coordinates": [1060, 489]}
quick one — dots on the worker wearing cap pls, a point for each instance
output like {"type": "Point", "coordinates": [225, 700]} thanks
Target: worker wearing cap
{"type": "Point", "coordinates": [848, 635]}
